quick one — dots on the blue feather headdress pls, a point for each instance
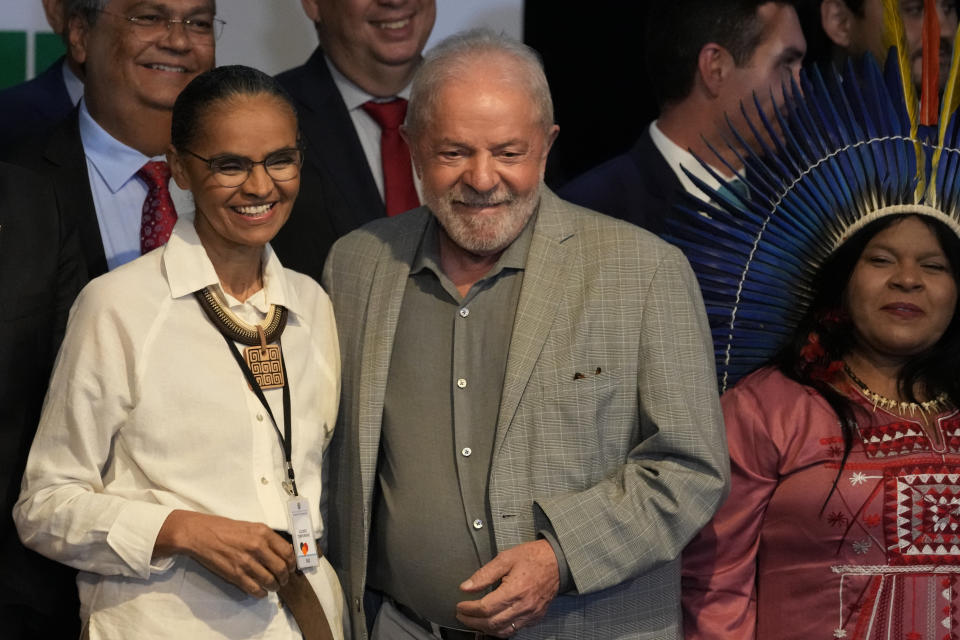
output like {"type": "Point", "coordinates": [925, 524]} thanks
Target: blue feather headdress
{"type": "Point", "coordinates": [842, 150]}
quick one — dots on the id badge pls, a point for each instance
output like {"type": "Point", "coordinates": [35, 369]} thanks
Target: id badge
{"type": "Point", "coordinates": [301, 530]}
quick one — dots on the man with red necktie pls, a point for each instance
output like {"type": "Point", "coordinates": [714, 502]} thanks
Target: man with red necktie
{"type": "Point", "coordinates": [351, 97]}
{"type": "Point", "coordinates": [106, 160]}
{"type": "Point", "coordinates": [102, 197]}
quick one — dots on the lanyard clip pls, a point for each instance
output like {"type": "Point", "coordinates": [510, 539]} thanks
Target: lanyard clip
{"type": "Point", "coordinates": [290, 485]}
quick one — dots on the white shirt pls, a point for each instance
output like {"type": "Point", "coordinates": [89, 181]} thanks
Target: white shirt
{"type": "Point", "coordinates": [73, 84]}
{"type": "Point", "coordinates": [679, 159]}
{"type": "Point", "coordinates": [118, 193]}
{"type": "Point", "coordinates": [148, 412]}
{"type": "Point", "coordinates": [366, 127]}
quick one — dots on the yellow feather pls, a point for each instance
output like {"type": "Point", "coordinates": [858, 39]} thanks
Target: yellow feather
{"type": "Point", "coordinates": [895, 36]}
{"type": "Point", "coordinates": [951, 100]}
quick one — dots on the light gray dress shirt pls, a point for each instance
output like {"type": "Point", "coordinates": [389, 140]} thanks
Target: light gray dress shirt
{"type": "Point", "coordinates": [431, 526]}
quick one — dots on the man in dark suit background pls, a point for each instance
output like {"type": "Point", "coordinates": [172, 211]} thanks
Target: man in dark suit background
{"type": "Point", "coordinates": [368, 52]}
{"type": "Point", "coordinates": [134, 71]}
{"type": "Point", "coordinates": [704, 57]}
{"type": "Point", "coordinates": [33, 106]}
{"type": "Point", "coordinates": [41, 271]}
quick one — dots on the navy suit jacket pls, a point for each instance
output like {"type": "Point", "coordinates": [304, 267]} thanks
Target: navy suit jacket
{"type": "Point", "coordinates": [58, 154]}
{"type": "Point", "coordinates": [41, 272]}
{"type": "Point", "coordinates": [637, 186]}
{"type": "Point", "coordinates": [33, 106]}
{"type": "Point", "coordinates": [337, 190]}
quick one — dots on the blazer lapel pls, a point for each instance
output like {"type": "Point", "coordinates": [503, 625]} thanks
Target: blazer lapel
{"type": "Point", "coordinates": [543, 278]}
{"type": "Point", "coordinates": [333, 143]}
{"type": "Point", "coordinates": [64, 151]}
{"type": "Point", "coordinates": [382, 313]}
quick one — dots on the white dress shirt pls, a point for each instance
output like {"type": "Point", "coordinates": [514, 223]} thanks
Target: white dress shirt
{"type": "Point", "coordinates": [118, 193]}
{"type": "Point", "coordinates": [148, 412]}
{"type": "Point", "coordinates": [73, 84]}
{"type": "Point", "coordinates": [679, 159]}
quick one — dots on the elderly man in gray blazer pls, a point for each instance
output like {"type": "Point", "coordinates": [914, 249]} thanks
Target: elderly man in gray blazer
{"type": "Point", "coordinates": [529, 428]}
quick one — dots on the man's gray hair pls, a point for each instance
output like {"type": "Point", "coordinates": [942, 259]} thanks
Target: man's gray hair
{"type": "Point", "coordinates": [453, 55]}
{"type": "Point", "coordinates": [89, 10]}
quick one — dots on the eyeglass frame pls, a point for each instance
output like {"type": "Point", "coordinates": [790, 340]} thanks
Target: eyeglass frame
{"type": "Point", "coordinates": [216, 25]}
{"type": "Point", "coordinates": [250, 165]}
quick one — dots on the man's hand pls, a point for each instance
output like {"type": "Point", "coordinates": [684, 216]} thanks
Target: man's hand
{"type": "Point", "coordinates": [529, 580]}
{"type": "Point", "coordinates": [249, 555]}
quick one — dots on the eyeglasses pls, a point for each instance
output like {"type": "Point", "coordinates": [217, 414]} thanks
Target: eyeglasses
{"type": "Point", "coordinates": [151, 27]}
{"type": "Point", "coordinates": [233, 171]}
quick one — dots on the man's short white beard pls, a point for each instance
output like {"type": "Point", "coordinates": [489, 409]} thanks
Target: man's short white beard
{"type": "Point", "coordinates": [486, 234]}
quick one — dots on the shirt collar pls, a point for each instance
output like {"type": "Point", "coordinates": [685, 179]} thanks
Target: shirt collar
{"type": "Point", "coordinates": [353, 96]}
{"type": "Point", "coordinates": [73, 84]}
{"type": "Point", "coordinates": [679, 158]}
{"type": "Point", "coordinates": [114, 161]}
{"type": "Point", "coordinates": [189, 269]}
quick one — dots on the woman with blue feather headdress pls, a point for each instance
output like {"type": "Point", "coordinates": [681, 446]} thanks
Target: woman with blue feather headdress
{"type": "Point", "coordinates": [832, 290]}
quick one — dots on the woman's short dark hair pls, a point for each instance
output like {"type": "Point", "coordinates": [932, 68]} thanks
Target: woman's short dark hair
{"type": "Point", "coordinates": [933, 370]}
{"type": "Point", "coordinates": [221, 83]}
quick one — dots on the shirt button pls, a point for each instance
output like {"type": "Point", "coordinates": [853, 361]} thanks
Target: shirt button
{"type": "Point", "coordinates": [478, 524]}
{"type": "Point", "coordinates": [259, 417]}
{"type": "Point", "coordinates": [466, 451]}
{"type": "Point", "coordinates": [464, 312]}
{"type": "Point", "coordinates": [263, 480]}
{"type": "Point", "coordinates": [462, 383]}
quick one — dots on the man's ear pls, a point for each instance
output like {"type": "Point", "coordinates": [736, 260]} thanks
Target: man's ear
{"type": "Point", "coordinates": [312, 9]}
{"type": "Point", "coordinates": [78, 33]}
{"type": "Point", "coordinates": [714, 65]}
{"type": "Point", "coordinates": [551, 138]}
{"type": "Point", "coordinates": [54, 11]}
{"type": "Point", "coordinates": [177, 170]}
{"type": "Point", "coordinates": [837, 22]}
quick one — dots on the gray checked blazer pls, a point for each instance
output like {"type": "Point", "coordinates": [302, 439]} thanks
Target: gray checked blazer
{"type": "Point", "coordinates": [625, 462]}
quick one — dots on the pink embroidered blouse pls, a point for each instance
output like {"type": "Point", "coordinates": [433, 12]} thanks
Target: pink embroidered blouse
{"type": "Point", "coordinates": [880, 560]}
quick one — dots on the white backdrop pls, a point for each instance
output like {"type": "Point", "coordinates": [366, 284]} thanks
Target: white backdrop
{"type": "Point", "coordinates": [274, 35]}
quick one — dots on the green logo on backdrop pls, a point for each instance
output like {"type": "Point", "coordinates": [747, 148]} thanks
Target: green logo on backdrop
{"type": "Point", "coordinates": [47, 47]}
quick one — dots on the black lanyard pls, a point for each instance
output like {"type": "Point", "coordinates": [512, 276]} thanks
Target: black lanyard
{"type": "Point", "coordinates": [286, 438]}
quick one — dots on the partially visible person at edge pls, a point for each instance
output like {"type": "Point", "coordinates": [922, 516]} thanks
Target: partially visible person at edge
{"type": "Point", "coordinates": [818, 452]}
{"type": "Point", "coordinates": [34, 106]}
{"type": "Point", "coordinates": [161, 468]}
{"type": "Point", "coordinates": [106, 159]}
{"type": "Point", "coordinates": [840, 29]}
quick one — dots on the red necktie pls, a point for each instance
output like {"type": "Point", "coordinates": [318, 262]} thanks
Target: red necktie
{"type": "Point", "coordinates": [159, 215]}
{"type": "Point", "coordinates": [399, 194]}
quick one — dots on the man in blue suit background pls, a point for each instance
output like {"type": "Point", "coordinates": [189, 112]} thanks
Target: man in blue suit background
{"type": "Point", "coordinates": [33, 106]}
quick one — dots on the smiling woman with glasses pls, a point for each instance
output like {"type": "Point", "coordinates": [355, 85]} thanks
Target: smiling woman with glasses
{"type": "Point", "coordinates": [178, 463]}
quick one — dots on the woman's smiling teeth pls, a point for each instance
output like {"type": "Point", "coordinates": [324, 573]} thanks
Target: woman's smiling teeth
{"type": "Point", "coordinates": [253, 210]}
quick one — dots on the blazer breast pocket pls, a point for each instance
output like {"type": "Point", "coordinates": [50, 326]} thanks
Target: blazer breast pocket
{"type": "Point", "coordinates": [589, 411]}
